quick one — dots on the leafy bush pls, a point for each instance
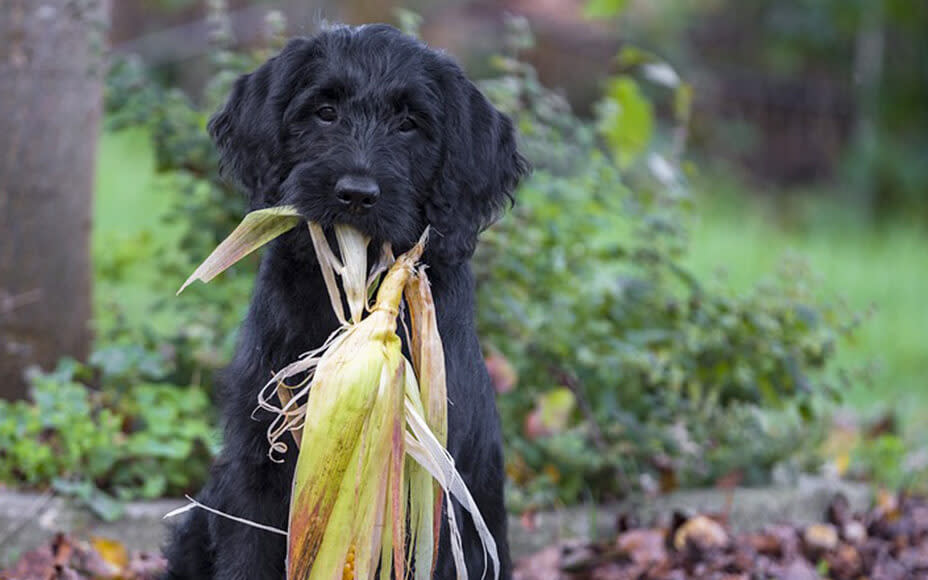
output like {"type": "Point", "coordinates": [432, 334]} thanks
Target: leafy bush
{"type": "Point", "coordinates": [137, 421]}
{"type": "Point", "coordinates": [205, 208]}
{"type": "Point", "coordinates": [125, 440]}
{"type": "Point", "coordinates": [627, 364]}
{"type": "Point", "coordinates": [629, 372]}
{"type": "Point", "coordinates": [879, 452]}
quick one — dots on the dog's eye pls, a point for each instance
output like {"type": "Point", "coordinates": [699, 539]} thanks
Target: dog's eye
{"type": "Point", "coordinates": [327, 114]}
{"type": "Point", "coordinates": [408, 124]}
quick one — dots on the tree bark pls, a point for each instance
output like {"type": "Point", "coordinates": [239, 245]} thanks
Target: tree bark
{"type": "Point", "coordinates": [51, 75]}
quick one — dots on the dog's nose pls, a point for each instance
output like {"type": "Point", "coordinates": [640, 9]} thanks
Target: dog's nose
{"type": "Point", "coordinates": [358, 193]}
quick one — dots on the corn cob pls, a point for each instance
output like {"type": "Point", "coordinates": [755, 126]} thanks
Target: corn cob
{"type": "Point", "coordinates": [356, 500]}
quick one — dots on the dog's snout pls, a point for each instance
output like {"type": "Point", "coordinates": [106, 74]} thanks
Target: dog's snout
{"type": "Point", "coordinates": [358, 193]}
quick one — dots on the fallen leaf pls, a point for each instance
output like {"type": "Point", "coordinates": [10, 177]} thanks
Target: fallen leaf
{"type": "Point", "coordinates": [854, 532]}
{"type": "Point", "coordinates": [113, 552]}
{"type": "Point", "coordinates": [800, 570]}
{"type": "Point", "coordinates": [644, 546]}
{"type": "Point", "coordinates": [700, 532]}
{"type": "Point", "coordinates": [502, 374]}
{"type": "Point", "coordinates": [543, 565]}
{"type": "Point", "coordinates": [820, 538]}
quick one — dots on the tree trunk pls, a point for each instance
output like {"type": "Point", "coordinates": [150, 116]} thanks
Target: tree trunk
{"type": "Point", "coordinates": [51, 71]}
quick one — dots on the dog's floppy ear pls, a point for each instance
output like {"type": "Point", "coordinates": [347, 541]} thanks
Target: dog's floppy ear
{"type": "Point", "coordinates": [481, 166]}
{"type": "Point", "coordinates": [247, 128]}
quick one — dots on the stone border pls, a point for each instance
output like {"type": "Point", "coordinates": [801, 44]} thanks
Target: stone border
{"type": "Point", "coordinates": [28, 520]}
{"type": "Point", "coordinates": [750, 509]}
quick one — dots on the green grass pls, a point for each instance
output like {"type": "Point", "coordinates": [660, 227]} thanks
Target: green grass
{"type": "Point", "coordinates": [127, 194]}
{"type": "Point", "coordinates": [880, 269]}
{"type": "Point", "coordinates": [884, 268]}
{"type": "Point", "coordinates": [130, 204]}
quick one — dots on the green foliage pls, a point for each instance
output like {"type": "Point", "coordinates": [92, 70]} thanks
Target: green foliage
{"type": "Point", "coordinates": [583, 286]}
{"type": "Point", "coordinates": [604, 8]}
{"type": "Point", "coordinates": [893, 117]}
{"type": "Point", "coordinates": [182, 147]}
{"type": "Point", "coordinates": [127, 439]}
{"type": "Point", "coordinates": [626, 120]}
{"type": "Point", "coordinates": [205, 208]}
{"type": "Point", "coordinates": [891, 461]}
{"type": "Point", "coordinates": [632, 372]}
{"type": "Point", "coordinates": [182, 150]}
{"type": "Point", "coordinates": [137, 421]}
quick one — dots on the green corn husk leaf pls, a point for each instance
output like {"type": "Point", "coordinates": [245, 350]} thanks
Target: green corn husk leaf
{"type": "Point", "coordinates": [350, 535]}
{"type": "Point", "coordinates": [356, 500]}
{"type": "Point", "coordinates": [343, 395]}
{"type": "Point", "coordinates": [328, 263]}
{"type": "Point", "coordinates": [352, 246]}
{"type": "Point", "coordinates": [425, 495]}
{"type": "Point", "coordinates": [425, 449]}
{"type": "Point", "coordinates": [325, 525]}
{"type": "Point", "coordinates": [428, 354]}
{"type": "Point", "coordinates": [256, 229]}
{"type": "Point", "coordinates": [429, 360]}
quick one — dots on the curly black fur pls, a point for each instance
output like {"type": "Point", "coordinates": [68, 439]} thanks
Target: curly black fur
{"type": "Point", "coordinates": [388, 112]}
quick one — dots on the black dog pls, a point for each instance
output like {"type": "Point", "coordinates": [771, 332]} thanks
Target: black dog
{"type": "Point", "coordinates": [369, 127]}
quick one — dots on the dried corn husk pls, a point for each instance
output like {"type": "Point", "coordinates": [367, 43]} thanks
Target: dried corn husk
{"type": "Point", "coordinates": [373, 471]}
{"type": "Point", "coordinates": [258, 228]}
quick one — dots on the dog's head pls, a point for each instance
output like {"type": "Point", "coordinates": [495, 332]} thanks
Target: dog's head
{"type": "Point", "coordinates": [370, 127]}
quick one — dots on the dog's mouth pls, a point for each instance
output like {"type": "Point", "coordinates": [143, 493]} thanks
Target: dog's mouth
{"type": "Point", "coordinates": [374, 249]}
{"type": "Point", "coordinates": [379, 228]}
{"type": "Point", "coordinates": [399, 228]}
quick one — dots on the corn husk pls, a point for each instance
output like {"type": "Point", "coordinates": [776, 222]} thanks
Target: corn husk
{"type": "Point", "coordinates": [353, 425]}
{"type": "Point", "coordinates": [407, 500]}
{"type": "Point", "coordinates": [258, 228]}
{"type": "Point", "coordinates": [373, 472]}
{"type": "Point", "coordinates": [429, 358]}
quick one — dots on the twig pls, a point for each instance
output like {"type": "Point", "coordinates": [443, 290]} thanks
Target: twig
{"type": "Point", "coordinates": [15, 527]}
{"type": "Point", "coordinates": [10, 302]}
{"type": "Point", "coordinates": [569, 381]}
{"type": "Point", "coordinates": [195, 504]}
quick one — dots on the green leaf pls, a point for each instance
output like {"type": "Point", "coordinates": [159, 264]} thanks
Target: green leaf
{"type": "Point", "coordinates": [683, 103]}
{"type": "Point", "coordinates": [555, 408]}
{"type": "Point", "coordinates": [604, 8]}
{"type": "Point", "coordinates": [627, 120]}
{"type": "Point", "coordinates": [409, 21]}
{"type": "Point", "coordinates": [153, 486]}
{"type": "Point", "coordinates": [632, 56]}
{"type": "Point", "coordinates": [148, 447]}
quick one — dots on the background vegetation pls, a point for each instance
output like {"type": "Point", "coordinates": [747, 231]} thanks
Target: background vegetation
{"type": "Point", "coordinates": [653, 316]}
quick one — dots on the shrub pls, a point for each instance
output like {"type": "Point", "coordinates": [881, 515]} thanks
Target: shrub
{"type": "Point", "coordinates": [205, 208]}
{"type": "Point", "coordinates": [627, 363]}
{"type": "Point", "coordinates": [118, 442]}
{"type": "Point", "coordinates": [630, 372]}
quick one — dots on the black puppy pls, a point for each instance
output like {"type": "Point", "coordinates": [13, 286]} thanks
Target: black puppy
{"type": "Point", "coordinates": [369, 127]}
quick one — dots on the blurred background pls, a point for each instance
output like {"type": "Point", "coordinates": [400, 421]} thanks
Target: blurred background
{"type": "Point", "coordinates": [716, 275]}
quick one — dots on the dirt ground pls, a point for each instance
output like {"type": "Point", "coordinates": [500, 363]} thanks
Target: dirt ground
{"type": "Point", "coordinates": [888, 542]}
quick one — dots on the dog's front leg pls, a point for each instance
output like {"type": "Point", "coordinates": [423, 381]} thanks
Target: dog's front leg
{"type": "Point", "coordinates": [243, 552]}
{"type": "Point", "coordinates": [474, 433]}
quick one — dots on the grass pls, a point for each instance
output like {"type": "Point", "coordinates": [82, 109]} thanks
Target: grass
{"type": "Point", "coordinates": [130, 204]}
{"type": "Point", "coordinates": [880, 267]}
{"type": "Point", "coordinates": [127, 194]}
